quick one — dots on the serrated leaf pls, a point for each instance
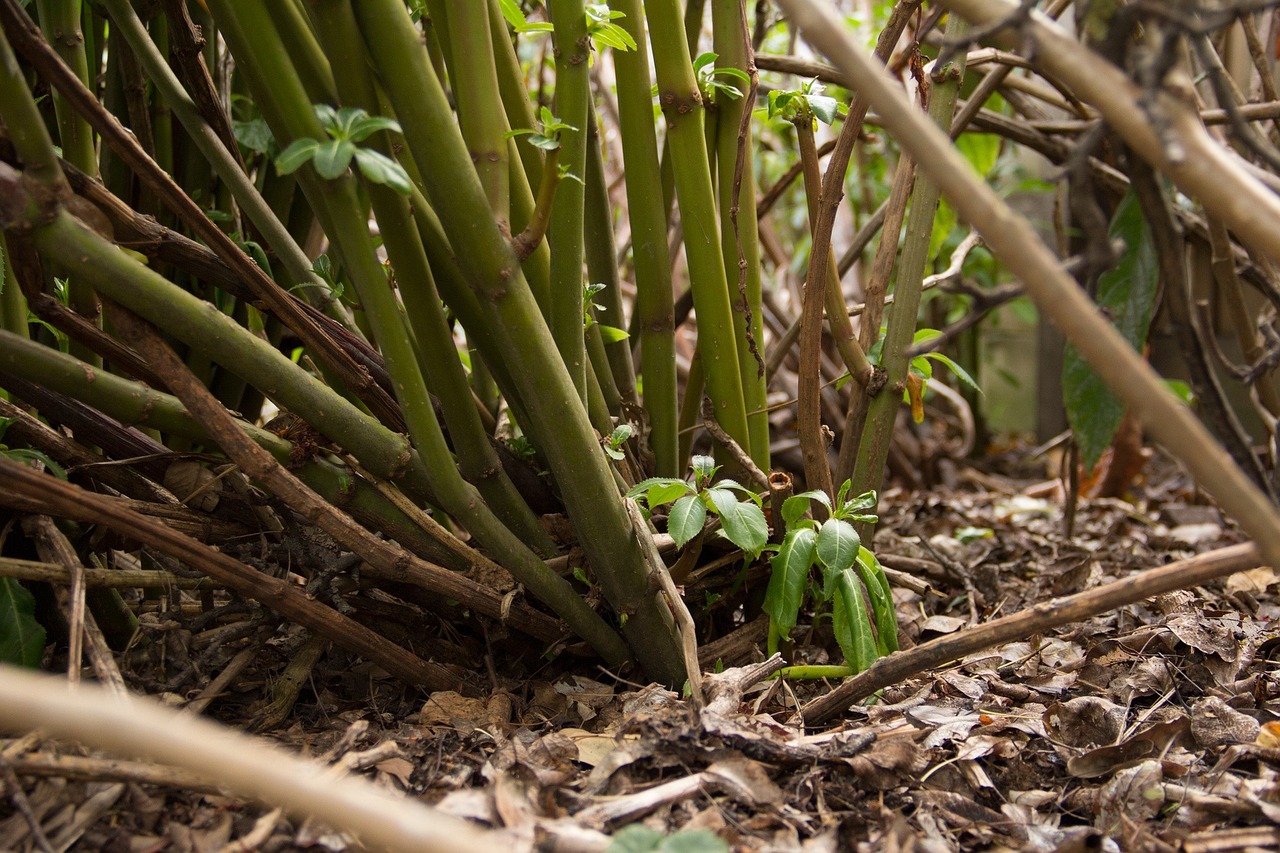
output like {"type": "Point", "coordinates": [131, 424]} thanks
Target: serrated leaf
{"type": "Point", "coordinates": [21, 636]}
{"type": "Point", "coordinates": [704, 467]}
{"type": "Point", "coordinates": [852, 625]}
{"type": "Point", "coordinates": [688, 515]}
{"type": "Point", "coordinates": [659, 490]}
{"type": "Point", "coordinates": [332, 158]}
{"type": "Point", "coordinates": [881, 598]}
{"type": "Point", "coordinates": [742, 522]}
{"type": "Point", "coordinates": [614, 36]}
{"type": "Point", "coordinates": [292, 158]}
{"type": "Point", "coordinates": [1127, 294]}
{"type": "Point", "coordinates": [381, 169]}
{"type": "Point", "coordinates": [790, 575]}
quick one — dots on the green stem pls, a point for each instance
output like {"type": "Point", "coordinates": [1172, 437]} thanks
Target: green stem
{"type": "Point", "coordinates": [439, 358]}
{"type": "Point", "coordinates": [682, 105]}
{"type": "Point", "coordinates": [868, 472]}
{"type": "Point", "coordinates": [555, 416]}
{"type": "Point", "coordinates": [572, 50]}
{"type": "Point", "coordinates": [612, 361]}
{"type": "Point", "coordinates": [739, 237]}
{"type": "Point", "coordinates": [654, 313]}
{"type": "Point", "coordinates": [293, 118]}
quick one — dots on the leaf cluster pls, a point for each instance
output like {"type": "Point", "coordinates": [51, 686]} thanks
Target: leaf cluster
{"type": "Point", "coordinates": [852, 579]}
{"type": "Point", "coordinates": [742, 521]}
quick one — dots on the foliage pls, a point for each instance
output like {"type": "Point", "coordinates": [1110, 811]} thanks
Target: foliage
{"type": "Point", "coordinates": [346, 127]}
{"type": "Point", "coordinates": [741, 521]}
{"type": "Point", "coordinates": [852, 579]}
{"type": "Point", "coordinates": [638, 838]}
{"type": "Point", "coordinates": [21, 636]}
{"type": "Point", "coordinates": [1127, 293]}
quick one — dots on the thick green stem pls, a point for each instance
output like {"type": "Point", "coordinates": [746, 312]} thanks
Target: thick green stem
{"type": "Point", "coordinates": [437, 355]}
{"type": "Point", "coordinates": [618, 381]}
{"type": "Point", "coordinates": [654, 313]}
{"type": "Point", "coordinates": [572, 50]}
{"type": "Point", "coordinates": [739, 237]}
{"type": "Point", "coordinates": [224, 163]}
{"type": "Point", "coordinates": [556, 419]}
{"type": "Point", "coordinates": [293, 118]}
{"type": "Point", "coordinates": [681, 103]}
{"type": "Point", "coordinates": [868, 473]}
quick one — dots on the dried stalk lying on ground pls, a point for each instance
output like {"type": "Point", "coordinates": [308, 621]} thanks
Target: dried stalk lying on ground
{"type": "Point", "coordinates": [1040, 618]}
{"type": "Point", "coordinates": [243, 765]}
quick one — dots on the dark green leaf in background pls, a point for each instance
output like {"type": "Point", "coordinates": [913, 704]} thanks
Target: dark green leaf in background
{"type": "Point", "coordinates": [1127, 294]}
{"type": "Point", "coordinates": [21, 637]}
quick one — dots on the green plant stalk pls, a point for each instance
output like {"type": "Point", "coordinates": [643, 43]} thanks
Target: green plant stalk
{"type": "Point", "coordinates": [251, 202]}
{"type": "Point", "coordinates": [868, 471]}
{"type": "Point", "coordinates": [480, 115]}
{"type": "Point", "coordinates": [618, 381]}
{"type": "Point", "coordinates": [314, 66]}
{"type": "Point", "coordinates": [13, 305]}
{"type": "Point", "coordinates": [61, 22]}
{"type": "Point", "coordinates": [682, 105]}
{"type": "Point", "coordinates": [555, 418]}
{"type": "Point", "coordinates": [739, 236]}
{"type": "Point", "coordinates": [26, 126]}
{"type": "Point", "coordinates": [135, 404]}
{"type": "Point", "coordinates": [515, 99]}
{"type": "Point", "coordinates": [691, 406]}
{"type": "Point", "coordinates": [438, 358]}
{"type": "Point", "coordinates": [572, 102]}
{"type": "Point", "coordinates": [256, 46]}
{"type": "Point", "coordinates": [654, 311]}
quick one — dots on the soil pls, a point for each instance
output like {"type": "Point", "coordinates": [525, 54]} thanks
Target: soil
{"type": "Point", "coordinates": [1147, 728]}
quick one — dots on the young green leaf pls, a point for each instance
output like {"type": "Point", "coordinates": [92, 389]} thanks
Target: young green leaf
{"type": "Point", "coordinates": [790, 576]}
{"type": "Point", "coordinates": [742, 523]}
{"type": "Point", "coordinates": [795, 507]}
{"type": "Point", "coordinates": [838, 544]}
{"type": "Point", "coordinates": [687, 518]}
{"type": "Point", "coordinates": [381, 169]}
{"type": "Point", "coordinates": [853, 627]}
{"type": "Point", "coordinates": [658, 491]}
{"type": "Point", "coordinates": [332, 158]}
{"type": "Point", "coordinates": [292, 158]}
{"type": "Point", "coordinates": [881, 598]}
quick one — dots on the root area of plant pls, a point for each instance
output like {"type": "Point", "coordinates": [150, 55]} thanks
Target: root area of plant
{"type": "Point", "coordinates": [1146, 728]}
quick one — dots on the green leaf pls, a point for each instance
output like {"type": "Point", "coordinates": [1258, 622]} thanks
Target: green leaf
{"type": "Point", "coordinates": [511, 11]}
{"type": "Point", "coordinates": [838, 544]}
{"type": "Point", "coordinates": [960, 372]}
{"type": "Point", "coordinates": [612, 35]}
{"type": "Point", "coordinates": [704, 60]}
{"type": "Point", "coordinates": [742, 522]}
{"type": "Point", "coordinates": [21, 636]}
{"type": "Point", "coordinates": [368, 125]}
{"type": "Point", "coordinates": [612, 334]}
{"type": "Point", "coordinates": [704, 467]}
{"type": "Point", "coordinates": [292, 158]}
{"type": "Point", "coordinates": [19, 454]}
{"type": "Point", "coordinates": [852, 626]}
{"type": "Point", "coordinates": [790, 576]}
{"type": "Point", "coordinates": [658, 491]}
{"type": "Point", "coordinates": [381, 169]}
{"type": "Point", "coordinates": [825, 109]}
{"type": "Point", "coordinates": [254, 134]}
{"type": "Point", "coordinates": [795, 507]}
{"type": "Point", "coordinates": [881, 597]}
{"type": "Point", "coordinates": [686, 519]}
{"type": "Point", "coordinates": [980, 149]}
{"type": "Point", "coordinates": [1127, 294]}
{"type": "Point", "coordinates": [332, 158]}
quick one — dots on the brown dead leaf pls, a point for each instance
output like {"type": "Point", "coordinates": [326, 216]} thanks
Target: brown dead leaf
{"type": "Point", "coordinates": [450, 708]}
{"type": "Point", "coordinates": [747, 780]}
{"type": "Point", "coordinates": [1085, 721]}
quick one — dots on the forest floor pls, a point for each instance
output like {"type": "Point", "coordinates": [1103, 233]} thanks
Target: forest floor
{"type": "Point", "coordinates": [1147, 728]}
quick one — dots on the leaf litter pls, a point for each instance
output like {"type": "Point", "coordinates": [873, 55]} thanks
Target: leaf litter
{"type": "Point", "coordinates": [1147, 728]}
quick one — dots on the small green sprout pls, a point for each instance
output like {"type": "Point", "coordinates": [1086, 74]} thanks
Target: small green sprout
{"type": "Point", "coordinates": [331, 158]}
